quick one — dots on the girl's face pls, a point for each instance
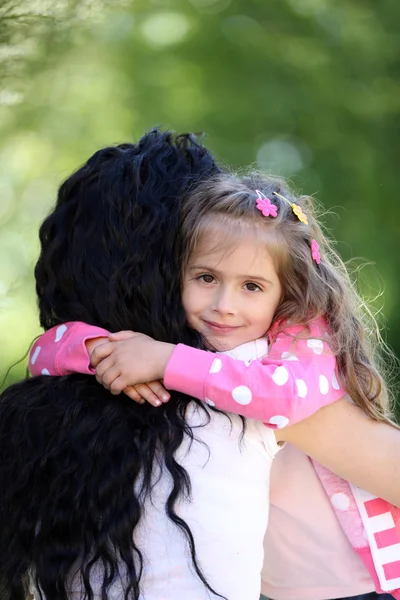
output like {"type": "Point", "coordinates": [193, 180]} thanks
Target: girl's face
{"type": "Point", "coordinates": [230, 296]}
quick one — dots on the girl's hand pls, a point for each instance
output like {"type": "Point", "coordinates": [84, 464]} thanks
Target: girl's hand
{"type": "Point", "coordinates": [127, 362]}
{"type": "Point", "coordinates": [153, 392]}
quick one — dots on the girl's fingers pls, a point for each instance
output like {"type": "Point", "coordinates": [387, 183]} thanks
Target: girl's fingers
{"type": "Point", "coordinates": [118, 383]}
{"type": "Point", "coordinates": [93, 343]}
{"type": "Point", "coordinates": [121, 335]}
{"type": "Point", "coordinates": [147, 394]}
{"type": "Point", "coordinates": [109, 380]}
{"type": "Point", "coordinates": [133, 395]}
{"type": "Point", "coordinates": [100, 353]}
{"type": "Point", "coordinates": [159, 390]}
{"type": "Point", "coordinates": [103, 366]}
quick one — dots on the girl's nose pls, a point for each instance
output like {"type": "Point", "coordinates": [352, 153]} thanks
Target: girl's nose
{"type": "Point", "coordinates": [224, 302]}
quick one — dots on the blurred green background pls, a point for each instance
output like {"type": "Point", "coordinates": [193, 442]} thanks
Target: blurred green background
{"type": "Point", "coordinates": [309, 89]}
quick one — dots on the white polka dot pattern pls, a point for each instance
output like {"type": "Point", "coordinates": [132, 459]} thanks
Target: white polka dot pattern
{"type": "Point", "coordinates": [279, 421]}
{"type": "Point", "coordinates": [242, 394]}
{"type": "Point", "coordinates": [35, 354]}
{"type": "Point", "coordinates": [335, 383]}
{"type": "Point", "coordinates": [216, 366]}
{"type": "Point", "coordinates": [280, 375]}
{"type": "Point", "coordinates": [340, 501]}
{"type": "Point", "coordinates": [209, 402]}
{"type": "Point", "coordinates": [290, 383]}
{"type": "Point", "coordinates": [53, 353]}
{"type": "Point", "coordinates": [45, 372]}
{"type": "Point", "coordinates": [316, 346]}
{"type": "Point", "coordinates": [301, 388]}
{"type": "Point", "coordinates": [61, 329]}
{"type": "Point", "coordinates": [323, 385]}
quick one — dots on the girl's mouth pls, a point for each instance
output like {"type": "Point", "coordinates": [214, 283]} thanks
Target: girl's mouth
{"type": "Point", "coordinates": [219, 327]}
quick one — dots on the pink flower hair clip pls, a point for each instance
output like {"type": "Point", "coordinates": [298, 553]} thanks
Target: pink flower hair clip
{"type": "Point", "coordinates": [315, 252]}
{"type": "Point", "coordinates": [265, 205]}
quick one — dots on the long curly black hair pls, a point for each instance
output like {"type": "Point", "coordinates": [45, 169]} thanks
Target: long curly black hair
{"type": "Point", "coordinates": [76, 463]}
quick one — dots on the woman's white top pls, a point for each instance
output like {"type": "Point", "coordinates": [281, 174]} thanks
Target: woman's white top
{"type": "Point", "coordinates": [227, 513]}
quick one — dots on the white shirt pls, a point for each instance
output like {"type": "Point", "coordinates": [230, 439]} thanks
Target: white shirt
{"type": "Point", "coordinates": [227, 513]}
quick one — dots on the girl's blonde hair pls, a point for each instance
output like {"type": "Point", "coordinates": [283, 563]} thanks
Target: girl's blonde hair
{"type": "Point", "coordinates": [224, 208]}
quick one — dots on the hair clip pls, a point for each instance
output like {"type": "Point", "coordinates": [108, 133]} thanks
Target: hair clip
{"type": "Point", "coordinates": [265, 205]}
{"type": "Point", "coordinates": [295, 208]}
{"type": "Point", "coordinates": [315, 252]}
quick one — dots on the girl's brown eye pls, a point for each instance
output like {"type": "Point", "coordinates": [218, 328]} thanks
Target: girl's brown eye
{"type": "Point", "coordinates": [252, 287]}
{"type": "Point", "coordinates": [207, 278]}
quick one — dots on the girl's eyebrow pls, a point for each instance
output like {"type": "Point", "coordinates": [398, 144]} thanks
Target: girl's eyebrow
{"type": "Point", "coordinates": [213, 270]}
{"type": "Point", "coordinates": [203, 267]}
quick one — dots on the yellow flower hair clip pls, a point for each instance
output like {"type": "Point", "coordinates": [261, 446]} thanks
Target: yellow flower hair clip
{"type": "Point", "coordinates": [295, 208]}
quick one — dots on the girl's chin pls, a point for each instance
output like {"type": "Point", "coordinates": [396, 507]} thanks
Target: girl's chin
{"type": "Point", "coordinates": [216, 345]}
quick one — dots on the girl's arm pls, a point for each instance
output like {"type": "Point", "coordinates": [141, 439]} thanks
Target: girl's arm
{"type": "Point", "coordinates": [67, 348]}
{"type": "Point", "coordinates": [63, 349]}
{"type": "Point", "coordinates": [296, 379]}
{"type": "Point", "coordinates": [343, 439]}
{"type": "Point", "coordinates": [291, 383]}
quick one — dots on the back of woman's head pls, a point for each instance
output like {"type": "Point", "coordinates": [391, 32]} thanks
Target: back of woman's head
{"type": "Point", "coordinates": [315, 282]}
{"type": "Point", "coordinates": [76, 463]}
{"type": "Point", "coordinates": [109, 252]}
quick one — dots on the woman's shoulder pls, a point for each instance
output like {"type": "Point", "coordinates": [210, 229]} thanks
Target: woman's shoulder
{"type": "Point", "coordinates": [226, 432]}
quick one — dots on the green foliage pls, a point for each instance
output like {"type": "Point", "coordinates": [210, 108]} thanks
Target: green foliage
{"type": "Point", "coordinates": [306, 88]}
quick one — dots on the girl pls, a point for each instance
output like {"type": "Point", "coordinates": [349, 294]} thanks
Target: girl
{"type": "Point", "coordinates": [231, 294]}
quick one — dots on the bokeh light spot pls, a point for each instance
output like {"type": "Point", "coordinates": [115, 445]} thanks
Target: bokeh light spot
{"type": "Point", "coordinates": [165, 29]}
{"type": "Point", "coordinates": [284, 156]}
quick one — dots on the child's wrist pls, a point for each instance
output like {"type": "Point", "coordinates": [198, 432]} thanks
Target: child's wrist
{"type": "Point", "coordinates": [164, 353]}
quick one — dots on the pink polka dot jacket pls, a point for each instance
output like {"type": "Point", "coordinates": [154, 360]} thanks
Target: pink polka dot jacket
{"type": "Point", "coordinates": [286, 384]}
{"type": "Point", "coordinates": [278, 383]}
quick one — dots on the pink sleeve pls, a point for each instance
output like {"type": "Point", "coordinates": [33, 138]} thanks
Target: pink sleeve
{"type": "Point", "coordinates": [295, 380]}
{"type": "Point", "coordinates": [62, 351]}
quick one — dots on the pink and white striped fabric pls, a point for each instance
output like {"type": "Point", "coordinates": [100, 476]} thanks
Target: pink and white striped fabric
{"type": "Point", "coordinates": [372, 526]}
{"type": "Point", "coordinates": [382, 526]}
